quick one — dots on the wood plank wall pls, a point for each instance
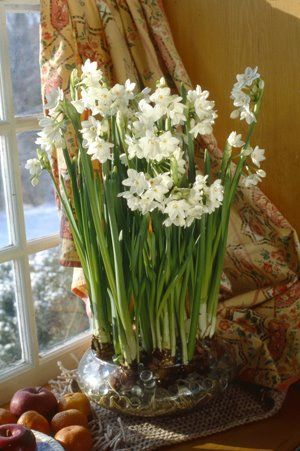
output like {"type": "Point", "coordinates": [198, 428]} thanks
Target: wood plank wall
{"type": "Point", "coordinates": [217, 39]}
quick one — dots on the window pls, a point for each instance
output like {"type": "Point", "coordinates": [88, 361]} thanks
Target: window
{"type": "Point", "coordinates": [40, 320]}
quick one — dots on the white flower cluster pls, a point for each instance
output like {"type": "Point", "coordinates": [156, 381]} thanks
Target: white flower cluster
{"type": "Point", "coordinates": [235, 140]}
{"type": "Point", "coordinates": [152, 129]}
{"type": "Point", "coordinates": [51, 134]}
{"type": "Point", "coordinates": [152, 120]}
{"type": "Point", "coordinates": [257, 155]}
{"type": "Point", "coordinates": [145, 141]}
{"type": "Point", "coordinates": [205, 114]}
{"type": "Point", "coordinates": [154, 147]}
{"type": "Point", "coordinates": [145, 193]}
{"type": "Point", "coordinates": [242, 93]}
{"type": "Point", "coordinates": [181, 206]}
{"type": "Point", "coordinates": [254, 179]}
{"type": "Point", "coordinates": [94, 134]}
{"type": "Point", "coordinates": [184, 205]}
{"type": "Point", "coordinates": [98, 97]}
{"type": "Point", "coordinates": [35, 169]}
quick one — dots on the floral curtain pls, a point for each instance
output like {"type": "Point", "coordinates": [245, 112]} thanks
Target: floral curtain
{"type": "Point", "coordinates": [260, 308]}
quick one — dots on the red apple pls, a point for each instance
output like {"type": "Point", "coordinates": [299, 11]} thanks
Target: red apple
{"type": "Point", "coordinates": [39, 399]}
{"type": "Point", "coordinates": [15, 437]}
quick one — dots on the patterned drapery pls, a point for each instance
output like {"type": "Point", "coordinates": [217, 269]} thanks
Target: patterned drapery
{"type": "Point", "coordinates": [260, 307]}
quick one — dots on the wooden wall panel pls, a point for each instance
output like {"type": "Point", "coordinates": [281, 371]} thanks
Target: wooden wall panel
{"type": "Point", "coordinates": [219, 38]}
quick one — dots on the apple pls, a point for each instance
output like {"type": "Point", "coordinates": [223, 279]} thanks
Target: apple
{"type": "Point", "coordinates": [39, 399]}
{"type": "Point", "coordinates": [15, 437]}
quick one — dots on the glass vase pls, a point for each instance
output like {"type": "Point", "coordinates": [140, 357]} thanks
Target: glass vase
{"type": "Point", "coordinates": [150, 390]}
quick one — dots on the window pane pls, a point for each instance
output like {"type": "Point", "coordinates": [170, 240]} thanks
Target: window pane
{"type": "Point", "coordinates": [60, 315]}
{"type": "Point", "coordinates": [10, 349]}
{"type": "Point", "coordinates": [41, 215]}
{"type": "Point", "coordinates": [4, 237]}
{"type": "Point", "coordinates": [23, 35]}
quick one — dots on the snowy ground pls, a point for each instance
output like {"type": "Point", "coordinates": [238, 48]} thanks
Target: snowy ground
{"type": "Point", "coordinates": [40, 221]}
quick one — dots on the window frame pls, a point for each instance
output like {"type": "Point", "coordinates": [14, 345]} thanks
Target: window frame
{"type": "Point", "coordinates": [36, 367]}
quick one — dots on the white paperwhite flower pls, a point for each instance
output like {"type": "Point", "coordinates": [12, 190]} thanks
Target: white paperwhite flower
{"type": "Point", "coordinates": [121, 95]}
{"type": "Point", "coordinates": [151, 146]}
{"type": "Point", "coordinates": [91, 75]}
{"type": "Point", "coordinates": [35, 169]}
{"type": "Point", "coordinates": [248, 115]}
{"type": "Point", "coordinates": [199, 185]}
{"type": "Point", "coordinates": [92, 128]}
{"type": "Point", "coordinates": [148, 114]}
{"type": "Point", "coordinates": [194, 94]}
{"type": "Point", "coordinates": [204, 109]}
{"type": "Point", "coordinates": [200, 128]}
{"type": "Point", "coordinates": [129, 87]}
{"type": "Point", "coordinates": [198, 99]}
{"type": "Point", "coordinates": [139, 128]}
{"type": "Point", "coordinates": [194, 212]}
{"type": "Point", "coordinates": [162, 97]}
{"type": "Point", "coordinates": [100, 150]}
{"type": "Point", "coordinates": [147, 203]}
{"type": "Point", "coordinates": [50, 135]}
{"type": "Point", "coordinates": [159, 186]}
{"type": "Point", "coordinates": [98, 99]}
{"type": "Point", "coordinates": [254, 179]}
{"type": "Point", "coordinates": [244, 113]}
{"type": "Point", "coordinates": [242, 99]}
{"type": "Point", "coordinates": [33, 166]}
{"type": "Point", "coordinates": [257, 156]}
{"type": "Point", "coordinates": [176, 111]}
{"type": "Point", "coordinates": [53, 98]}
{"type": "Point", "coordinates": [184, 205]}
{"type": "Point", "coordinates": [204, 198]}
{"type": "Point", "coordinates": [176, 210]}
{"type": "Point", "coordinates": [168, 145]}
{"type": "Point", "coordinates": [87, 100]}
{"type": "Point", "coordinates": [234, 140]}
{"type": "Point", "coordinates": [248, 77]}
{"type": "Point", "coordinates": [215, 198]}
{"type": "Point", "coordinates": [132, 200]}
{"type": "Point", "coordinates": [134, 150]}
{"type": "Point", "coordinates": [136, 181]}
{"type": "Point", "coordinates": [145, 194]}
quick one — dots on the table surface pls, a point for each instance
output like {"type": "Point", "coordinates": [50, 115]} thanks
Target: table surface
{"type": "Point", "coordinates": [278, 433]}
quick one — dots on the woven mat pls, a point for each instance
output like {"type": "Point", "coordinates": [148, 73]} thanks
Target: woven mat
{"type": "Point", "coordinates": [239, 404]}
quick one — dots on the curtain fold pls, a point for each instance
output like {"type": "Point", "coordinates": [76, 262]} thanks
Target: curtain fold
{"type": "Point", "coordinates": [260, 308]}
